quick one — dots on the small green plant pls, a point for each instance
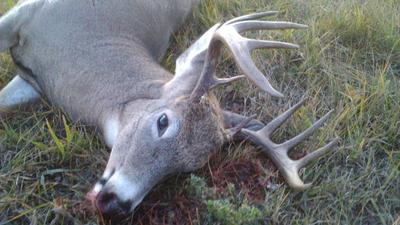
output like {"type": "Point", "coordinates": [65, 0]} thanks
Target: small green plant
{"type": "Point", "coordinates": [63, 143]}
{"type": "Point", "coordinates": [223, 212]}
{"type": "Point", "coordinates": [197, 187]}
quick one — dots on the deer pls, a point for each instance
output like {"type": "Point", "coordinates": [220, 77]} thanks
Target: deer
{"type": "Point", "coordinates": [99, 61]}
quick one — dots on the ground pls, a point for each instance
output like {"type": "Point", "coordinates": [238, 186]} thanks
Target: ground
{"type": "Point", "coordinates": [349, 61]}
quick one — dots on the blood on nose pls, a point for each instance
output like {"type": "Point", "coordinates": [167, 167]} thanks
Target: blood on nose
{"type": "Point", "coordinates": [107, 203]}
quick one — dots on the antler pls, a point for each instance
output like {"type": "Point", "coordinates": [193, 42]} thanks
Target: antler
{"type": "Point", "coordinates": [278, 153]}
{"type": "Point", "coordinates": [241, 48]}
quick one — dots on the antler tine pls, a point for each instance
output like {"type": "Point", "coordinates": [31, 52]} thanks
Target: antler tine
{"type": "Point", "coordinates": [278, 121]}
{"type": "Point", "coordinates": [252, 16]}
{"type": "Point", "coordinates": [316, 154]}
{"type": "Point", "coordinates": [255, 44]}
{"type": "Point", "coordinates": [302, 136]}
{"type": "Point", "coordinates": [241, 48]}
{"type": "Point", "coordinates": [242, 57]}
{"type": "Point", "coordinates": [231, 132]}
{"type": "Point", "coordinates": [278, 153]}
{"type": "Point", "coordinates": [243, 26]}
{"type": "Point", "coordinates": [222, 81]}
{"type": "Point", "coordinates": [287, 166]}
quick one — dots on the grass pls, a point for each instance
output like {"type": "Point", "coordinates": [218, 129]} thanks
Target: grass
{"type": "Point", "coordinates": [349, 61]}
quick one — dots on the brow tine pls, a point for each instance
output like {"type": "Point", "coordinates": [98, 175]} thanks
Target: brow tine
{"type": "Point", "coordinates": [222, 81]}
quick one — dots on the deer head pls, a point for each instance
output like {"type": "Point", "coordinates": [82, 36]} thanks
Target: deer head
{"type": "Point", "coordinates": [184, 125]}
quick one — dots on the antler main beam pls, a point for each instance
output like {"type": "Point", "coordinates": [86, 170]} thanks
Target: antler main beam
{"type": "Point", "coordinates": [241, 48]}
{"type": "Point", "coordinates": [278, 153]}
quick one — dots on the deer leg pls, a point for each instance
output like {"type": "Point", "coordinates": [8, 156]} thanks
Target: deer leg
{"type": "Point", "coordinates": [17, 93]}
{"type": "Point", "coordinates": [234, 122]}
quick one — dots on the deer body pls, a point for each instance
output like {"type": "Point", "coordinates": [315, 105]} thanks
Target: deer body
{"type": "Point", "coordinates": [92, 56]}
{"type": "Point", "coordinates": [99, 61]}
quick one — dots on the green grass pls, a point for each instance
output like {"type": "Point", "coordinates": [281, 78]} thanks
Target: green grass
{"type": "Point", "coordinates": [349, 61]}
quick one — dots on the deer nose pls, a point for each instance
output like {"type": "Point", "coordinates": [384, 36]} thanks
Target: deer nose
{"type": "Point", "coordinates": [111, 207]}
{"type": "Point", "coordinates": [107, 203]}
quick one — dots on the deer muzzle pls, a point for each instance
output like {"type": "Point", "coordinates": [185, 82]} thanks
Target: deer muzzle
{"type": "Point", "coordinates": [116, 197]}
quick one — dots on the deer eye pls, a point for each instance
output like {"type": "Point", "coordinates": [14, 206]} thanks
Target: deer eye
{"type": "Point", "coordinates": [162, 124]}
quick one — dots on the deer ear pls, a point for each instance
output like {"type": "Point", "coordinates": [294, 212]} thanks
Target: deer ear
{"type": "Point", "coordinates": [189, 66]}
{"type": "Point", "coordinates": [13, 20]}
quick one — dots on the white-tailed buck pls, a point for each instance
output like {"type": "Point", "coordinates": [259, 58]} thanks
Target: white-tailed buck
{"type": "Point", "coordinates": [98, 60]}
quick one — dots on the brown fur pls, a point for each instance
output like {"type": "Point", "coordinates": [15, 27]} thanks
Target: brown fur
{"type": "Point", "coordinates": [202, 132]}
